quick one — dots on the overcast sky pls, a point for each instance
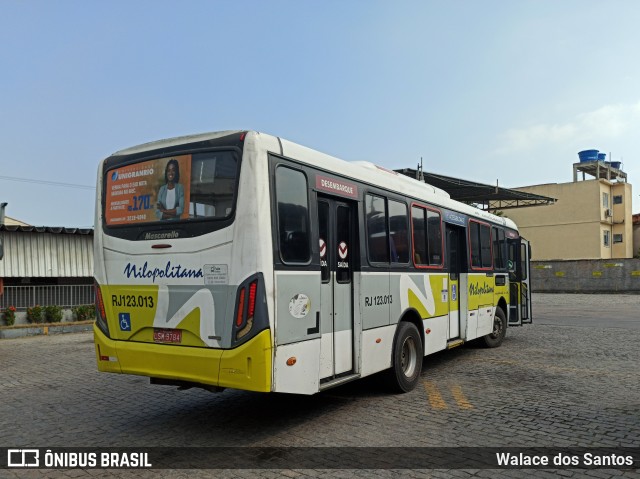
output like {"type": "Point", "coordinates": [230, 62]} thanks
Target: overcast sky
{"type": "Point", "coordinates": [482, 90]}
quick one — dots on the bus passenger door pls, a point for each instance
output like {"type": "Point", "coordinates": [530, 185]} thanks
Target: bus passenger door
{"type": "Point", "coordinates": [454, 258]}
{"type": "Point", "coordinates": [337, 241]}
{"type": "Point", "coordinates": [519, 287]}
{"type": "Point", "coordinates": [525, 282]}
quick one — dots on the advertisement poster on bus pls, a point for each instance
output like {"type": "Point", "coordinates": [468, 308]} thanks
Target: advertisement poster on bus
{"type": "Point", "coordinates": [154, 190]}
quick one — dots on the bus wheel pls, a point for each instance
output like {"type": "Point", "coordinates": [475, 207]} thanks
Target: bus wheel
{"type": "Point", "coordinates": [406, 359]}
{"type": "Point", "coordinates": [495, 339]}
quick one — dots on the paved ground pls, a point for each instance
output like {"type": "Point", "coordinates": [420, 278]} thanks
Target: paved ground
{"type": "Point", "coordinates": [590, 310]}
{"type": "Point", "coordinates": [552, 384]}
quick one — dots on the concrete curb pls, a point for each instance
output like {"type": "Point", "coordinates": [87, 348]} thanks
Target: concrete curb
{"type": "Point", "coordinates": [22, 330]}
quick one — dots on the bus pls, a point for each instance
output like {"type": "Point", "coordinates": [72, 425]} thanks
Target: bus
{"type": "Point", "coordinates": [242, 260]}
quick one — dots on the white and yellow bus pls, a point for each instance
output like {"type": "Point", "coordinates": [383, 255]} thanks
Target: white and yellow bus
{"type": "Point", "coordinates": [242, 260]}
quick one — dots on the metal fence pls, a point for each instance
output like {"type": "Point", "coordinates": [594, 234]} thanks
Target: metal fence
{"type": "Point", "coordinates": [65, 296]}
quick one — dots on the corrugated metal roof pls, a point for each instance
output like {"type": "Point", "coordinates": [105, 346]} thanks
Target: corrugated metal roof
{"type": "Point", "coordinates": [46, 252]}
{"type": "Point", "coordinates": [480, 195]}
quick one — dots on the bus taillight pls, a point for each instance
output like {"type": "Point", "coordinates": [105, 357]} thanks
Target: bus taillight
{"type": "Point", "coordinates": [252, 299]}
{"type": "Point", "coordinates": [101, 315]}
{"type": "Point", "coordinates": [244, 318]}
{"type": "Point", "coordinates": [240, 316]}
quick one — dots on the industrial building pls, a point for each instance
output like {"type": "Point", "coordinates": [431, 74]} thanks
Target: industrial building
{"type": "Point", "coordinates": [46, 266]}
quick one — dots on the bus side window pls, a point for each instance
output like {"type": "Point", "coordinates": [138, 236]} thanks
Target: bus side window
{"type": "Point", "coordinates": [398, 232]}
{"type": "Point", "coordinates": [434, 232]}
{"type": "Point", "coordinates": [427, 236]}
{"type": "Point", "coordinates": [293, 215]}
{"type": "Point", "coordinates": [480, 236]}
{"type": "Point", "coordinates": [512, 260]}
{"type": "Point", "coordinates": [499, 249]}
{"type": "Point", "coordinates": [376, 214]}
{"type": "Point", "coordinates": [485, 246]}
{"type": "Point", "coordinates": [420, 256]}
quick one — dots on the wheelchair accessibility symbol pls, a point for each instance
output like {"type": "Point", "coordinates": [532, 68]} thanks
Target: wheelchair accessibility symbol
{"type": "Point", "coordinates": [125, 321]}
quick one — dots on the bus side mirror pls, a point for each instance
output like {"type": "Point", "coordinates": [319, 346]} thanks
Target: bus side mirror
{"type": "Point", "coordinates": [1, 249]}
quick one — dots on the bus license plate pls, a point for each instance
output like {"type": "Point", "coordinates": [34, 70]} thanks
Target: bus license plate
{"type": "Point", "coordinates": [167, 335]}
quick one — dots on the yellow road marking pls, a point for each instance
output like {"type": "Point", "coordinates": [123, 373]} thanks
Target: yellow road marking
{"type": "Point", "coordinates": [435, 398]}
{"type": "Point", "coordinates": [460, 398]}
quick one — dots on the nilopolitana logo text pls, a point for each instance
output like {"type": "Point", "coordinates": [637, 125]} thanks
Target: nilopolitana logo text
{"type": "Point", "coordinates": [169, 271]}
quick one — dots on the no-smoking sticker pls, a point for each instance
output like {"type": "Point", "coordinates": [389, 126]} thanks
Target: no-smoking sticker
{"type": "Point", "coordinates": [323, 248]}
{"type": "Point", "coordinates": [343, 250]}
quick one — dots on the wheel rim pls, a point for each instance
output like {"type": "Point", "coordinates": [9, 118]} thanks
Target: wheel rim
{"type": "Point", "coordinates": [409, 359]}
{"type": "Point", "coordinates": [497, 327]}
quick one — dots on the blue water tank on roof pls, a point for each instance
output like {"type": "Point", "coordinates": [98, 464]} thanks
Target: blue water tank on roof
{"type": "Point", "coordinates": [588, 155]}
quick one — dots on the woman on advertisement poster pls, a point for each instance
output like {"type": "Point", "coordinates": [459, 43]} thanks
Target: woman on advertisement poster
{"type": "Point", "coordinates": [170, 195]}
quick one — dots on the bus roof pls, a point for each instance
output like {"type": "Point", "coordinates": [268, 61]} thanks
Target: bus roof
{"type": "Point", "coordinates": [357, 170]}
{"type": "Point", "coordinates": [178, 140]}
{"type": "Point", "coordinates": [387, 179]}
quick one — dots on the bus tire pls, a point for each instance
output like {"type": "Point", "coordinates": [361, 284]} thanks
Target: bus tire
{"type": "Point", "coordinates": [495, 339]}
{"type": "Point", "coordinates": [406, 359]}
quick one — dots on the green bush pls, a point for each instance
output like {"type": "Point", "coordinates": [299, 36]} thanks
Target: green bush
{"type": "Point", "coordinates": [84, 312]}
{"type": "Point", "coordinates": [53, 314]}
{"type": "Point", "coordinates": [35, 314]}
{"type": "Point", "coordinates": [10, 315]}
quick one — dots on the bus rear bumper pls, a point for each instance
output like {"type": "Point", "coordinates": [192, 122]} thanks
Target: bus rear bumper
{"type": "Point", "coordinates": [246, 367]}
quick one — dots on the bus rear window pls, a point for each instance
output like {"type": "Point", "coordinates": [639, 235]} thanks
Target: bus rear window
{"type": "Point", "coordinates": [175, 188]}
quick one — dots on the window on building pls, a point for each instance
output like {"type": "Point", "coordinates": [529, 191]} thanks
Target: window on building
{"type": "Point", "coordinates": [605, 200]}
{"type": "Point", "coordinates": [606, 240]}
{"type": "Point", "coordinates": [617, 200]}
{"type": "Point", "coordinates": [617, 238]}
